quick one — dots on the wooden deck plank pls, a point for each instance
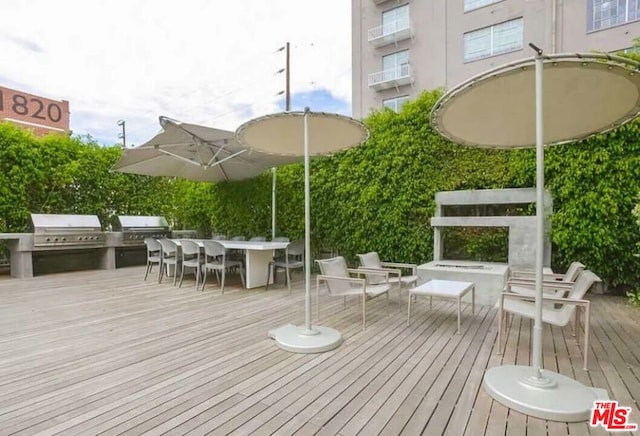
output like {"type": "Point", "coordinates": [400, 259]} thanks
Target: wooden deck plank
{"type": "Point", "coordinates": [104, 352]}
{"type": "Point", "coordinates": [348, 396]}
{"type": "Point", "coordinates": [370, 392]}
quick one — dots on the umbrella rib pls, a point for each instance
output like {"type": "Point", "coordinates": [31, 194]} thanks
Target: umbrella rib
{"type": "Point", "coordinates": [218, 162]}
{"type": "Point", "coordinates": [177, 156]}
{"type": "Point", "coordinates": [215, 155]}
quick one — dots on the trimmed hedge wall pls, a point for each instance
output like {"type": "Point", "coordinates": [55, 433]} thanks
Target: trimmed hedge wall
{"type": "Point", "coordinates": [378, 196]}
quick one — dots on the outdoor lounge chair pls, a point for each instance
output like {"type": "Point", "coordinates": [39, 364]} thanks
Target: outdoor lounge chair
{"type": "Point", "coordinates": [293, 259]}
{"type": "Point", "coordinates": [523, 282]}
{"type": "Point", "coordinates": [555, 310]}
{"type": "Point", "coordinates": [154, 256]}
{"type": "Point", "coordinates": [371, 260]}
{"type": "Point", "coordinates": [215, 259]}
{"type": "Point", "coordinates": [570, 276]}
{"type": "Point", "coordinates": [340, 283]}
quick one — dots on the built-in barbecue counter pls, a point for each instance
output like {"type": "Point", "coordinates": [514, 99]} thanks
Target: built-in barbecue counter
{"type": "Point", "coordinates": [76, 242]}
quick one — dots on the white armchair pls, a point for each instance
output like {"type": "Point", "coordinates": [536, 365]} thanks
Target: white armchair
{"type": "Point", "coordinates": [340, 282]}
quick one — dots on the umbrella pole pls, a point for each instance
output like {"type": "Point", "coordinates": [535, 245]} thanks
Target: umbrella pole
{"type": "Point", "coordinates": [307, 225]}
{"type": "Point", "coordinates": [537, 327]}
{"type": "Point", "coordinates": [273, 203]}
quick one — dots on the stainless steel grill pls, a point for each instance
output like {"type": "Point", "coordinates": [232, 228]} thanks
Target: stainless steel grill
{"type": "Point", "coordinates": [135, 228]}
{"type": "Point", "coordinates": [50, 230]}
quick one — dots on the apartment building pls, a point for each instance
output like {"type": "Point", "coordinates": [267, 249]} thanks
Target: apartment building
{"type": "Point", "coordinates": [403, 47]}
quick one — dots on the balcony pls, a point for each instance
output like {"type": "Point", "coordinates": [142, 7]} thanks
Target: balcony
{"type": "Point", "coordinates": [390, 33]}
{"type": "Point", "coordinates": [393, 78]}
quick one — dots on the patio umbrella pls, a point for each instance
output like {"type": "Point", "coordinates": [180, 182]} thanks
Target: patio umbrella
{"type": "Point", "coordinates": [198, 153]}
{"type": "Point", "coordinates": [508, 107]}
{"type": "Point", "coordinates": [303, 134]}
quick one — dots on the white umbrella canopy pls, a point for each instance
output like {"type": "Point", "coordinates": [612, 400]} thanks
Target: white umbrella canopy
{"type": "Point", "coordinates": [303, 134]}
{"type": "Point", "coordinates": [508, 107]}
{"type": "Point", "coordinates": [198, 153]}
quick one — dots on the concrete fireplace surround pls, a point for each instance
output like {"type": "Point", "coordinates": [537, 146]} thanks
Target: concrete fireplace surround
{"type": "Point", "coordinates": [489, 277]}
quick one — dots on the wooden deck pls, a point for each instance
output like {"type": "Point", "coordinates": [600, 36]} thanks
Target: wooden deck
{"type": "Point", "coordinates": [104, 352]}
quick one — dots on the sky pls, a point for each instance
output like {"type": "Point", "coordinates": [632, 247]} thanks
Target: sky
{"type": "Point", "coordinates": [209, 62]}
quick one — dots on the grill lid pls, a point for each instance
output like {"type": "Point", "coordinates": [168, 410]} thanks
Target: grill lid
{"type": "Point", "coordinates": [139, 223]}
{"type": "Point", "coordinates": [56, 222]}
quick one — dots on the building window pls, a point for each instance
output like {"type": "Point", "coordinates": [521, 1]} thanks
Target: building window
{"type": "Point", "coordinates": [494, 40]}
{"type": "Point", "coordinates": [607, 13]}
{"type": "Point", "coordinates": [395, 61]}
{"type": "Point", "coordinates": [470, 5]}
{"type": "Point", "coordinates": [395, 103]}
{"type": "Point", "coordinates": [395, 19]}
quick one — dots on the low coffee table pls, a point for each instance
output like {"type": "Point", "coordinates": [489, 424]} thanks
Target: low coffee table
{"type": "Point", "coordinates": [445, 289]}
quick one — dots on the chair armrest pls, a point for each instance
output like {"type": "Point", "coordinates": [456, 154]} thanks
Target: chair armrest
{"type": "Point", "coordinates": [545, 284]}
{"type": "Point", "coordinates": [412, 266]}
{"type": "Point", "coordinates": [379, 271]}
{"type": "Point", "coordinates": [356, 280]}
{"type": "Point", "coordinates": [544, 298]}
{"type": "Point", "coordinates": [521, 274]}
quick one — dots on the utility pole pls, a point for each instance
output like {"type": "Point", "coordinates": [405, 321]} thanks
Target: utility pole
{"type": "Point", "coordinates": [123, 135]}
{"type": "Point", "coordinates": [287, 90]}
{"type": "Point", "coordinates": [287, 102]}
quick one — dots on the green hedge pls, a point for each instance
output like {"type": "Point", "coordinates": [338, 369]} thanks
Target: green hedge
{"type": "Point", "coordinates": [378, 196]}
{"type": "Point", "coordinates": [59, 174]}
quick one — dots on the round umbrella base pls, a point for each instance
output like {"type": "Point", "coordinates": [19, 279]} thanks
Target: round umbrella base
{"type": "Point", "coordinates": [553, 396]}
{"type": "Point", "coordinates": [300, 340]}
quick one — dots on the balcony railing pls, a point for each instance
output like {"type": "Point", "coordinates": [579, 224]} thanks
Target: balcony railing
{"type": "Point", "coordinates": [379, 2]}
{"type": "Point", "coordinates": [390, 33]}
{"type": "Point", "coordinates": [392, 78]}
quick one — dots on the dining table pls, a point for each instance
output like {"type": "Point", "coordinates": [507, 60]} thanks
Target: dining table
{"type": "Point", "coordinates": [258, 254]}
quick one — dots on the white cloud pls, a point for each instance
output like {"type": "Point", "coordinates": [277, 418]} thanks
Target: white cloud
{"type": "Point", "coordinates": [202, 61]}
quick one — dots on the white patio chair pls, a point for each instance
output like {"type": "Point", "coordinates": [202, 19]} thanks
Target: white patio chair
{"type": "Point", "coordinates": [154, 256]}
{"type": "Point", "coordinates": [293, 259]}
{"type": "Point", "coordinates": [372, 261]}
{"type": "Point", "coordinates": [340, 283]}
{"type": "Point", "coordinates": [215, 259]}
{"type": "Point", "coordinates": [191, 259]}
{"type": "Point", "coordinates": [218, 237]}
{"type": "Point", "coordinates": [569, 276]}
{"type": "Point", "coordinates": [555, 310]}
{"type": "Point", "coordinates": [169, 257]}
{"type": "Point", "coordinates": [258, 239]}
{"type": "Point", "coordinates": [522, 282]}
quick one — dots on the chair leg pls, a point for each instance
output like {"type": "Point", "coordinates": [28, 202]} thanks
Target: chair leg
{"type": "Point", "coordinates": [181, 275]}
{"type": "Point", "coordinates": [364, 312]}
{"type": "Point", "coordinates": [317, 301]}
{"type": "Point", "coordinates": [175, 273]}
{"type": "Point", "coordinates": [288, 279]}
{"type": "Point", "coordinates": [161, 264]}
{"type": "Point", "coordinates": [224, 273]}
{"type": "Point", "coordinates": [500, 314]}
{"type": "Point", "coordinates": [204, 279]}
{"type": "Point", "coordinates": [197, 273]}
{"type": "Point", "coordinates": [147, 272]}
{"type": "Point", "coordinates": [585, 341]}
